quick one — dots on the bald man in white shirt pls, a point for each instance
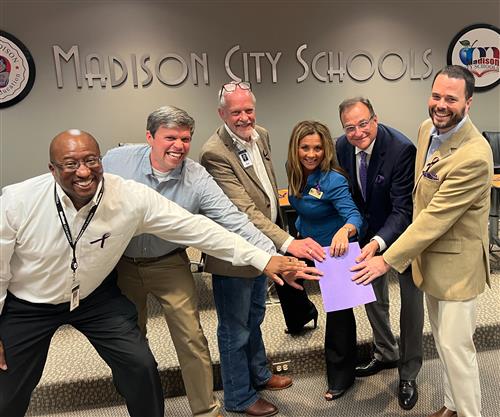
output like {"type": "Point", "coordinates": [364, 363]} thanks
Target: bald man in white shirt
{"type": "Point", "coordinates": [61, 236]}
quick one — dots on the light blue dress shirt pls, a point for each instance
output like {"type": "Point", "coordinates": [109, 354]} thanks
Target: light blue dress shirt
{"type": "Point", "coordinates": [190, 186]}
{"type": "Point", "coordinates": [437, 140]}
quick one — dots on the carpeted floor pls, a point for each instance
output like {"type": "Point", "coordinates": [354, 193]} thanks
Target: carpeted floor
{"type": "Point", "coordinates": [75, 377]}
{"type": "Point", "coordinates": [373, 396]}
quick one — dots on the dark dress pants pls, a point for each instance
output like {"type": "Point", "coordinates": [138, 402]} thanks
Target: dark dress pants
{"type": "Point", "coordinates": [107, 319]}
{"type": "Point", "coordinates": [297, 308]}
{"type": "Point", "coordinates": [340, 348]}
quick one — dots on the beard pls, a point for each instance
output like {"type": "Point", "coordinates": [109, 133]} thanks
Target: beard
{"type": "Point", "coordinates": [449, 122]}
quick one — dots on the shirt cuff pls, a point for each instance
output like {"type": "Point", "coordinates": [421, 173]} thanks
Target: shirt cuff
{"type": "Point", "coordinates": [381, 243]}
{"type": "Point", "coordinates": [284, 246]}
{"type": "Point", "coordinates": [260, 261]}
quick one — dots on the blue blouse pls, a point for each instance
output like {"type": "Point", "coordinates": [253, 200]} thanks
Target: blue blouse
{"type": "Point", "coordinates": [320, 218]}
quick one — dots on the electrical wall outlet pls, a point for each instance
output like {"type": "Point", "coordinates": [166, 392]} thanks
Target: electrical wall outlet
{"type": "Point", "coordinates": [282, 367]}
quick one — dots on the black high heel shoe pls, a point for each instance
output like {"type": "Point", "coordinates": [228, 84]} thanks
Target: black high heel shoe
{"type": "Point", "coordinates": [300, 329]}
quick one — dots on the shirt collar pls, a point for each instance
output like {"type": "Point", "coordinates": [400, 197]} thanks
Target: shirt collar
{"type": "Point", "coordinates": [368, 150]}
{"type": "Point", "coordinates": [445, 136]}
{"type": "Point", "coordinates": [237, 139]}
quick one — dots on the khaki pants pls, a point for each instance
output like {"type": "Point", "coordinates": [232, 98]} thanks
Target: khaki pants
{"type": "Point", "coordinates": [453, 324]}
{"type": "Point", "coordinates": [171, 282]}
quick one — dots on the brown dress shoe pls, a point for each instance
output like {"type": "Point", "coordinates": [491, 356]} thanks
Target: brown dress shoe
{"type": "Point", "coordinates": [277, 382]}
{"type": "Point", "coordinates": [444, 412]}
{"type": "Point", "coordinates": [261, 408]}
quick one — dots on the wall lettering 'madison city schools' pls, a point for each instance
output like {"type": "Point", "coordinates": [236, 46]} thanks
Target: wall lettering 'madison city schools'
{"type": "Point", "coordinates": [172, 69]}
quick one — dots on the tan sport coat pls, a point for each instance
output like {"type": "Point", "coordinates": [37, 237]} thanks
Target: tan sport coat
{"type": "Point", "coordinates": [219, 155]}
{"type": "Point", "coordinates": [447, 243]}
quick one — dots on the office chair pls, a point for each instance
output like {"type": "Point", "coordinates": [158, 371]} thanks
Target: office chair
{"type": "Point", "coordinates": [493, 139]}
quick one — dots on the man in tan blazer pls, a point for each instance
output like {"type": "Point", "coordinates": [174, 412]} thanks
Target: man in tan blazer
{"type": "Point", "coordinates": [238, 156]}
{"type": "Point", "coordinates": [447, 243]}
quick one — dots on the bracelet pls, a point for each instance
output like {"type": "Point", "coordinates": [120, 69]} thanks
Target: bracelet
{"type": "Point", "coordinates": [349, 230]}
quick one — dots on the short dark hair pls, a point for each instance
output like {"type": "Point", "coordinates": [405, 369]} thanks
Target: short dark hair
{"type": "Point", "coordinates": [171, 117]}
{"type": "Point", "coordinates": [349, 102]}
{"type": "Point", "coordinates": [462, 73]}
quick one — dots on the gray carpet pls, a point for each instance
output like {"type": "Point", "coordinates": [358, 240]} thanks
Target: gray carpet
{"type": "Point", "coordinates": [373, 396]}
{"type": "Point", "coordinates": [76, 377]}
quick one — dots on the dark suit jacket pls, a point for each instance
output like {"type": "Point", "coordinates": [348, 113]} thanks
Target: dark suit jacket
{"type": "Point", "coordinates": [388, 207]}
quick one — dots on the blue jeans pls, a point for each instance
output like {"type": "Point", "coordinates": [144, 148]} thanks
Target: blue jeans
{"type": "Point", "coordinates": [240, 304]}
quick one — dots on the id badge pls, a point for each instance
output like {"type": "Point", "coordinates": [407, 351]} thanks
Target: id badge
{"type": "Point", "coordinates": [75, 296]}
{"type": "Point", "coordinates": [315, 193]}
{"type": "Point", "coordinates": [245, 159]}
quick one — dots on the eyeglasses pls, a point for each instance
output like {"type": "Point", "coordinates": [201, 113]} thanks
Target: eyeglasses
{"type": "Point", "coordinates": [363, 125]}
{"type": "Point", "coordinates": [232, 86]}
{"type": "Point", "coordinates": [70, 166]}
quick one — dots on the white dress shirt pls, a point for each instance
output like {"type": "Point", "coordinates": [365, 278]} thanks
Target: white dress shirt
{"type": "Point", "coordinates": [35, 255]}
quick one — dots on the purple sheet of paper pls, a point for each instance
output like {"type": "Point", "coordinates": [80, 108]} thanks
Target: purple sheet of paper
{"type": "Point", "coordinates": [337, 289]}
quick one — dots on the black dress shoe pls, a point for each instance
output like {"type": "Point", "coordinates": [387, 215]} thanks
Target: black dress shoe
{"type": "Point", "coordinates": [373, 367]}
{"type": "Point", "coordinates": [407, 394]}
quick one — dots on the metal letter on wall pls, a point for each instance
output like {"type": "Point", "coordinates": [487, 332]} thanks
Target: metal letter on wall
{"type": "Point", "coordinates": [184, 69]}
{"type": "Point", "coordinates": [91, 76]}
{"type": "Point", "coordinates": [355, 55]}
{"type": "Point", "coordinates": [227, 60]}
{"type": "Point", "coordinates": [383, 73]}
{"type": "Point", "coordinates": [112, 61]}
{"type": "Point", "coordinates": [58, 53]}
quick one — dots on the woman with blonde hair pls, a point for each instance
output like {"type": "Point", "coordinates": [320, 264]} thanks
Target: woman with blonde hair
{"type": "Point", "coordinates": [319, 192]}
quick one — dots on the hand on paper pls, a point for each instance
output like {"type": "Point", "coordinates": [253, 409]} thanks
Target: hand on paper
{"type": "Point", "coordinates": [340, 242]}
{"type": "Point", "coordinates": [369, 270]}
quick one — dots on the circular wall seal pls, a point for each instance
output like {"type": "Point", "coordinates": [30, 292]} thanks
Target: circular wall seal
{"type": "Point", "coordinates": [477, 48]}
{"type": "Point", "coordinates": [17, 70]}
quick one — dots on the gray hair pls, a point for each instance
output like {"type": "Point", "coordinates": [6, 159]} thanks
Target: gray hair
{"type": "Point", "coordinates": [355, 100]}
{"type": "Point", "coordinates": [171, 117]}
{"type": "Point", "coordinates": [221, 94]}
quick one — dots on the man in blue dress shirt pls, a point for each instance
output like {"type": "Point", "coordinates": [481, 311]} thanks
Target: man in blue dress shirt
{"type": "Point", "coordinates": [161, 268]}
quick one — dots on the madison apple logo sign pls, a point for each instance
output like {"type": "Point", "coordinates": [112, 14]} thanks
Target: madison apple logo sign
{"type": "Point", "coordinates": [477, 48]}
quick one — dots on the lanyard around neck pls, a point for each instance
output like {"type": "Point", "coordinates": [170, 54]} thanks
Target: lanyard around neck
{"type": "Point", "coordinates": [65, 225]}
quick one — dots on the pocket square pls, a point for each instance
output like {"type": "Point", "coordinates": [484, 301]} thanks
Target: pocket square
{"type": "Point", "coordinates": [430, 175]}
{"type": "Point", "coordinates": [379, 179]}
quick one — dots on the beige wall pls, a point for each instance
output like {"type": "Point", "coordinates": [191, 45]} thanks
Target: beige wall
{"type": "Point", "coordinates": [157, 28]}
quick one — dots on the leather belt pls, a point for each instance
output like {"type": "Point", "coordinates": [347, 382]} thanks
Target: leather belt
{"type": "Point", "coordinates": [152, 259]}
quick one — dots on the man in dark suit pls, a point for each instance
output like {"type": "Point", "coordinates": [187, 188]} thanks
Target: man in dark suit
{"type": "Point", "coordinates": [380, 162]}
